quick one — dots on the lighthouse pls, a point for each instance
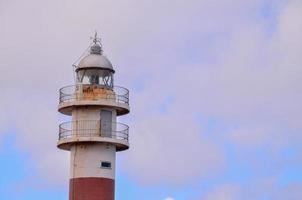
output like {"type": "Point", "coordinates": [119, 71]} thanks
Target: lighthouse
{"type": "Point", "coordinates": [93, 134]}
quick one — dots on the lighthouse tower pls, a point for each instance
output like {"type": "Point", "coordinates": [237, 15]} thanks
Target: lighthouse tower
{"type": "Point", "coordinates": [93, 136]}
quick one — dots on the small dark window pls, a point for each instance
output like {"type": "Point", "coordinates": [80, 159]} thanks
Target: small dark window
{"type": "Point", "coordinates": [105, 164]}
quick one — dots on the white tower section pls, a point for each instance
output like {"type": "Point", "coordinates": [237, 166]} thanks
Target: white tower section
{"type": "Point", "coordinates": [93, 136]}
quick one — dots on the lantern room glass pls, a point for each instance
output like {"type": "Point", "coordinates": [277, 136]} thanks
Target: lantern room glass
{"type": "Point", "coordinates": [101, 77]}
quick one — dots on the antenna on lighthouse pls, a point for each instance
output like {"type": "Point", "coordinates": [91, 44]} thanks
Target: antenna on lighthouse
{"type": "Point", "coordinates": [96, 39]}
{"type": "Point", "coordinates": [96, 48]}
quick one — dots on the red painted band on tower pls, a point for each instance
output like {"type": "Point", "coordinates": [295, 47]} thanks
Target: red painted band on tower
{"type": "Point", "coordinates": [91, 189]}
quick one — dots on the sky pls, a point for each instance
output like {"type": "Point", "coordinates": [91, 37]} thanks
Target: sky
{"type": "Point", "coordinates": [215, 95]}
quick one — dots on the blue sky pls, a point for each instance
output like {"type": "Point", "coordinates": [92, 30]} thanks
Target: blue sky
{"type": "Point", "coordinates": [215, 94]}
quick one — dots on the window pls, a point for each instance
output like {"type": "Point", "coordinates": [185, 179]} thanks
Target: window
{"type": "Point", "coordinates": [94, 79]}
{"type": "Point", "coordinates": [102, 77]}
{"type": "Point", "coordinates": [106, 164]}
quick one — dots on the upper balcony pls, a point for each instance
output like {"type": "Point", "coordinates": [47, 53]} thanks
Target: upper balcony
{"type": "Point", "coordinates": [94, 95]}
{"type": "Point", "coordinates": [82, 131]}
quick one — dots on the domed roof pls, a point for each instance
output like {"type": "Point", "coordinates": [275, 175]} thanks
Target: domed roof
{"type": "Point", "coordinates": [95, 61]}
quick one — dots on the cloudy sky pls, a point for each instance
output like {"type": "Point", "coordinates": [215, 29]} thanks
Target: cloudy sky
{"type": "Point", "coordinates": [215, 88]}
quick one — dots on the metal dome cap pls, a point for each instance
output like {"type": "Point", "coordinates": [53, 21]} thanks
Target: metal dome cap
{"type": "Point", "coordinates": [94, 61]}
{"type": "Point", "coordinates": [95, 58]}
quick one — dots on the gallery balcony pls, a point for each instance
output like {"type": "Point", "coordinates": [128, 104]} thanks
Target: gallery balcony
{"type": "Point", "coordinates": [93, 95]}
{"type": "Point", "coordinates": [83, 131]}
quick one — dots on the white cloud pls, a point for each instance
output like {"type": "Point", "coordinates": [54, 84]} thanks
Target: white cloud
{"type": "Point", "coordinates": [267, 188]}
{"type": "Point", "coordinates": [172, 150]}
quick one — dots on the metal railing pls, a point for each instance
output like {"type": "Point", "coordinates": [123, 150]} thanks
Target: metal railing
{"type": "Point", "coordinates": [93, 128]}
{"type": "Point", "coordinates": [94, 93]}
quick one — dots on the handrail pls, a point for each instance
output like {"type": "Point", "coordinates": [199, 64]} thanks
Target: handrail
{"type": "Point", "coordinates": [93, 92]}
{"type": "Point", "coordinates": [93, 128]}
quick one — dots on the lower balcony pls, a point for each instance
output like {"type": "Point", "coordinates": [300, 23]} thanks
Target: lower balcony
{"type": "Point", "coordinates": [93, 131]}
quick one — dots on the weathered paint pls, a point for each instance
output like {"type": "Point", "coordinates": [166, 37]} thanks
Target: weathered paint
{"type": "Point", "coordinates": [67, 107]}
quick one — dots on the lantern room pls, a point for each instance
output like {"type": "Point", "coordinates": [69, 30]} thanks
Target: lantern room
{"type": "Point", "coordinates": [95, 69]}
